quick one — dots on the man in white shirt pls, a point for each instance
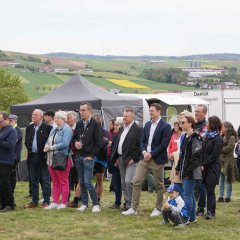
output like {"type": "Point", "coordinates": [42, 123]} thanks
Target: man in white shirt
{"type": "Point", "coordinates": [126, 152]}
{"type": "Point", "coordinates": [154, 142]}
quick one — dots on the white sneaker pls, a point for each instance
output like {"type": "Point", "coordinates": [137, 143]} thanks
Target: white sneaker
{"type": "Point", "coordinates": [52, 206]}
{"type": "Point", "coordinates": [61, 206]}
{"type": "Point", "coordinates": [82, 208]}
{"type": "Point", "coordinates": [129, 212]}
{"type": "Point", "coordinates": [96, 208]}
{"type": "Point", "coordinates": [156, 213]}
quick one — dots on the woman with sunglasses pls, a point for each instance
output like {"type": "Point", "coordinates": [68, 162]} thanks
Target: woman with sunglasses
{"type": "Point", "coordinates": [188, 166]}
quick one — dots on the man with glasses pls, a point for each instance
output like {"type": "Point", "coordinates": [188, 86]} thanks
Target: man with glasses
{"type": "Point", "coordinates": [87, 138]}
{"type": "Point", "coordinates": [8, 139]}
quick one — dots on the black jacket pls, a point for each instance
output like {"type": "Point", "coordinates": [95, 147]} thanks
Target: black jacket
{"type": "Point", "coordinates": [102, 154]}
{"type": "Point", "coordinates": [210, 159]}
{"type": "Point", "coordinates": [42, 136]}
{"type": "Point", "coordinates": [19, 144]}
{"type": "Point", "coordinates": [91, 138]}
{"type": "Point", "coordinates": [190, 157]}
{"type": "Point", "coordinates": [130, 147]}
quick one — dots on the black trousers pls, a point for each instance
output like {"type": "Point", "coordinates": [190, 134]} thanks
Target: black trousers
{"type": "Point", "coordinates": [211, 198]}
{"type": "Point", "coordinates": [173, 216]}
{"type": "Point", "coordinates": [6, 192]}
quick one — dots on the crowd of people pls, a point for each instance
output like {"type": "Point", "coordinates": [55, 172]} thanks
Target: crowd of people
{"type": "Point", "coordinates": [63, 154]}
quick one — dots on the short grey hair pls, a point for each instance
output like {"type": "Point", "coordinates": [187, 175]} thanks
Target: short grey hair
{"type": "Point", "coordinates": [72, 113]}
{"type": "Point", "coordinates": [39, 111]}
{"type": "Point", "coordinates": [129, 109]}
{"type": "Point", "coordinates": [61, 114]}
{"type": "Point", "coordinates": [204, 108]}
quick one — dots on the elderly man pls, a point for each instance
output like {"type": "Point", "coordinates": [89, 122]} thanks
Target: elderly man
{"type": "Point", "coordinates": [126, 151]}
{"type": "Point", "coordinates": [154, 143]}
{"type": "Point", "coordinates": [201, 128]}
{"type": "Point", "coordinates": [36, 136]}
{"type": "Point", "coordinates": [8, 139]}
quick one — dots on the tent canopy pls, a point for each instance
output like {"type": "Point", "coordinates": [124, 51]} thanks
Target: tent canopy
{"type": "Point", "coordinates": [68, 97]}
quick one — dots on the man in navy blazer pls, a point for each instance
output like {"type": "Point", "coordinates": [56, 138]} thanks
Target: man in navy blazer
{"type": "Point", "coordinates": [154, 143]}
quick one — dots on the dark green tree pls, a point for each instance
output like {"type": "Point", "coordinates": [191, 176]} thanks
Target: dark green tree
{"type": "Point", "coordinates": [11, 91]}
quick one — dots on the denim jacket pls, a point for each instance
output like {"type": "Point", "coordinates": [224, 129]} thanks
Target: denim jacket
{"type": "Point", "coordinates": [62, 139]}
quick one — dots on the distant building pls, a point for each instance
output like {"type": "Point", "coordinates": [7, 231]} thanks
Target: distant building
{"type": "Point", "coordinates": [61, 70]}
{"type": "Point", "coordinates": [46, 69]}
{"type": "Point", "coordinates": [12, 64]}
{"type": "Point", "coordinates": [86, 70]}
{"type": "Point", "coordinates": [203, 72]}
{"type": "Point", "coordinates": [229, 85]}
{"type": "Point", "coordinates": [156, 61]}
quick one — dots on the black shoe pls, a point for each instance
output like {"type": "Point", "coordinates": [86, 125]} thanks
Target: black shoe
{"type": "Point", "coordinates": [220, 199]}
{"type": "Point", "coordinates": [227, 200]}
{"type": "Point", "coordinates": [7, 209]}
{"type": "Point", "coordinates": [209, 215]}
{"type": "Point", "coordinates": [200, 212]}
{"type": "Point", "coordinates": [124, 208]}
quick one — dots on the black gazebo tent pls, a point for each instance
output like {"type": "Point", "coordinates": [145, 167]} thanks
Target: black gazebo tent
{"type": "Point", "coordinates": [70, 94]}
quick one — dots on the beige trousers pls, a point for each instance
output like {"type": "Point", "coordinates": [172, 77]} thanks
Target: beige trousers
{"type": "Point", "coordinates": [142, 170]}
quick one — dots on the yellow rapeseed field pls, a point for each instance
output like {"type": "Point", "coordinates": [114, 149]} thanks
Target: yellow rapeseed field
{"type": "Point", "coordinates": [127, 83]}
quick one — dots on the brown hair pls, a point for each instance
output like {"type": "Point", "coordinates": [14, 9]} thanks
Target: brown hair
{"type": "Point", "coordinates": [5, 115]}
{"type": "Point", "coordinates": [230, 130]}
{"type": "Point", "coordinates": [89, 105]}
{"type": "Point", "coordinates": [158, 106]}
{"type": "Point", "coordinates": [177, 123]}
{"type": "Point", "coordinates": [214, 123]}
{"type": "Point", "coordinates": [191, 120]}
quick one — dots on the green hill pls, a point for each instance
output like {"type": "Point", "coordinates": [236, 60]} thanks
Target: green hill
{"type": "Point", "coordinates": [104, 68]}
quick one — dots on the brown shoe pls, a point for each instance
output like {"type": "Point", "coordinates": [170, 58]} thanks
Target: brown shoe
{"type": "Point", "coordinates": [72, 205]}
{"type": "Point", "coordinates": [115, 206]}
{"type": "Point", "coordinates": [44, 205]}
{"type": "Point", "coordinates": [31, 205]}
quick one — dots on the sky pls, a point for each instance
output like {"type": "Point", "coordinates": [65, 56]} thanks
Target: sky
{"type": "Point", "coordinates": [121, 27]}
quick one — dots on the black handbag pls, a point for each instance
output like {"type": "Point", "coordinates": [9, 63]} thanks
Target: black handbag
{"type": "Point", "coordinates": [59, 161]}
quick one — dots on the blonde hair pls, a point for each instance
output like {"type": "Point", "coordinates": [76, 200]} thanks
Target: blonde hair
{"type": "Point", "coordinates": [186, 113]}
{"type": "Point", "coordinates": [62, 115]}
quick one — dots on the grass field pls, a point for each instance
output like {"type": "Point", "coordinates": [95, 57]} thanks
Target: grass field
{"type": "Point", "coordinates": [110, 224]}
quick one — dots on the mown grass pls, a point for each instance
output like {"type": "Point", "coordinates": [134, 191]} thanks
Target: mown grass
{"type": "Point", "coordinates": [110, 224]}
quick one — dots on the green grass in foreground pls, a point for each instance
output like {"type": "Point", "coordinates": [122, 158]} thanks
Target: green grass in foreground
{"type": "Point", "coordinates": [109, 224]}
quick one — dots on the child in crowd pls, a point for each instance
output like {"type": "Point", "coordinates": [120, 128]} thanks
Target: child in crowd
{"type": "Point", "coordinates": [174, 210]}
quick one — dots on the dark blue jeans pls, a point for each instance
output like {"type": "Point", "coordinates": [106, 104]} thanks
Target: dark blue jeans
{"type": "Point", "coordinates": [117, 185]}
{"type": "Point", "coordinates": [85, 173]}
{"type": "Point", "coordinates": [39, 172]}
{"type": "Point", "coordinates": [189, 198]}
